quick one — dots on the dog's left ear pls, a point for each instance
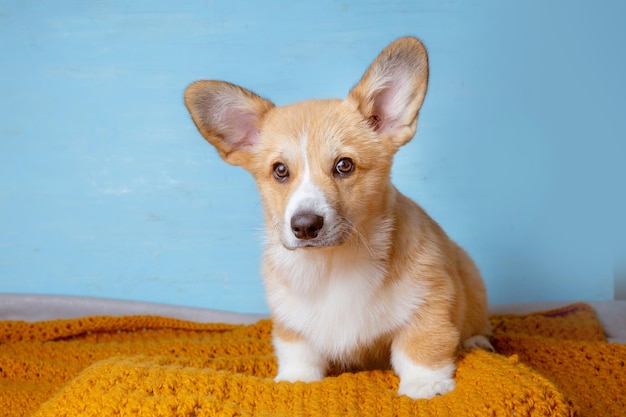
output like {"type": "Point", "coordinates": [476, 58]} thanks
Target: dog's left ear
{"type": "Point", "coordinates": [228, 116]}
{"type": "Point", "coordinates": [392, 90]}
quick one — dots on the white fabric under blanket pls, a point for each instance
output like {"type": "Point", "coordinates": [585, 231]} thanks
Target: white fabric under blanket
{"type": "Point", "coordinates": [29, 307]}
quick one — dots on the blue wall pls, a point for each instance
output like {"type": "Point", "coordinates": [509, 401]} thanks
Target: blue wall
{"type": "Point", "coordinates": [108, 190]}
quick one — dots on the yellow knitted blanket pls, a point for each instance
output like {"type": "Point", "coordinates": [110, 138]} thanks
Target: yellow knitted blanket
{"type": "Point", "coordinates": [555, 363]}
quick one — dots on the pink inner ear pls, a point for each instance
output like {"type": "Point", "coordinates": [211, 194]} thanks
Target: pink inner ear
{"type": "Point", "coordinates": [392, 99]}
{"type": "Point", "coordinates": [374, 121]}
{"type": "Point", "coordinates": [240, 128]}
{"type": "Point", "coordinates": [386, 106]}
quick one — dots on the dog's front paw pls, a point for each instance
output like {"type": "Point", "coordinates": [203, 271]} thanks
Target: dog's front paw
{"type": "Point", "coordinates": [425, 389]}
{"type": "Point", "coordinates": [297, 361]}
{"type": "Point", "coordinates": [299, 374]}
{"type": "Point", "coordinates": [420, 381]}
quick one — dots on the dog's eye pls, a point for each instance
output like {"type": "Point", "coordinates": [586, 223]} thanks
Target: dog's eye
{"type": "Point", "coordinates": [344, 166]}
{"type": "Point", "coordinates": [280, 171]}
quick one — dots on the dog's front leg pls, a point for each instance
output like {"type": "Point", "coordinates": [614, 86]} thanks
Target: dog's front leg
{"type": "Point", "coordinates": [424, 359]}
{"type": "Point", "coordinates": [297, 360]}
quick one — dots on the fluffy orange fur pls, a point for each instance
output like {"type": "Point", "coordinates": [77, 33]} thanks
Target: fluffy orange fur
{"type": "Point", "coordinates": [416, 297]}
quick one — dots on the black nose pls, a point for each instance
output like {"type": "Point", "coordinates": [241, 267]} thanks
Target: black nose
{"type": "Point", "coordinates": [306, 225]}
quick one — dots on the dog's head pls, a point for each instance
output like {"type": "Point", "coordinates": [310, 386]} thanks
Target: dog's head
{"type": "Point", "coordinates": [322, 166]}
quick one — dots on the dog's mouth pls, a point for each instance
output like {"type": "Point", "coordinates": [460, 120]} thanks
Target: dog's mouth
{"type": "Point", "coordinates": [328, 239]}
{"type": "Point", "coordinates": [308, 245]}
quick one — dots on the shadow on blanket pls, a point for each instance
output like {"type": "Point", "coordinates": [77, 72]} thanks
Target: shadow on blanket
{"type": "Point", "coordinates": [554, 363]}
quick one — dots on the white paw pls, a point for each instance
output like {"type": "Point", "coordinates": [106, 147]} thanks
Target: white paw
{"type": "Point", "coordinates": [419, 381]}
{"type": "Point", "coordinates": [299, 374]}
{"type": "Point", "coordinates": [425, 390]}
{"type": "Point", "coordinates": [297, 361]}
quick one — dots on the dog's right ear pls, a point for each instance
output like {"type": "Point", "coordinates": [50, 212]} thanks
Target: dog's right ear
{"type": "Point", "coordinates": [392, 90]}
{"type": "Point", "coordinates": [228, 117]}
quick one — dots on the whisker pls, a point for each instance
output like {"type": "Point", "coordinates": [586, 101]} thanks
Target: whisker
{"type": "Point", "coordinates": [275, 230]}
{"type": "Point", "coordinates": [359, 237]}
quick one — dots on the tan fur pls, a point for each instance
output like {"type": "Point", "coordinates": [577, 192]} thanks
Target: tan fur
{"type": "Point", "coordinates": [378, 225]}
{"type": "Point", "coordinates": [439, 326]}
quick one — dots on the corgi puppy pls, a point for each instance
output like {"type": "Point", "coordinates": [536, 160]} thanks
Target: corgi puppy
{"type": "Point", "coordinates": [357, 275]}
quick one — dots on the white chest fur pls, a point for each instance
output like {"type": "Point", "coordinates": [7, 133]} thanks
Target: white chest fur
{"type": "Point", "coordinates": [339, 299]}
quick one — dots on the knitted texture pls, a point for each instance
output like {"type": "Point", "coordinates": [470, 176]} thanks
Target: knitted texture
{"type": "Point", "coordinates": [554, 363]}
